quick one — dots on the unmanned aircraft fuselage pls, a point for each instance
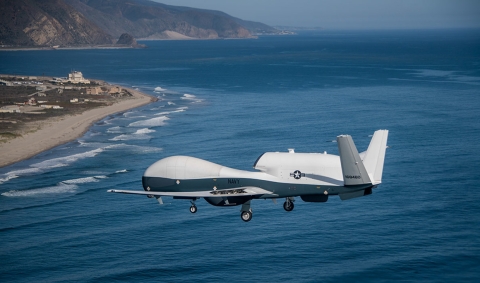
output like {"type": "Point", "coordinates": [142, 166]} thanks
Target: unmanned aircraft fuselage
{"type": "Point", "coordinates": [312, 176]}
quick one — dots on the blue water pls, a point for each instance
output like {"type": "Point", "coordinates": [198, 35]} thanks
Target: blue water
{"type": "Point", "coordinates": [228, 101]}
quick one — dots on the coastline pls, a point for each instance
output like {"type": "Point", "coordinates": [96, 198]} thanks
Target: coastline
{"type": "Point", "coordinates": [36, 48]}
{"type": "Point", "coordinates": [58, 131]}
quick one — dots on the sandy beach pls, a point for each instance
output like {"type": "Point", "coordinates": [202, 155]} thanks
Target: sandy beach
{"type": "Point", "coordinates": [57, 131]}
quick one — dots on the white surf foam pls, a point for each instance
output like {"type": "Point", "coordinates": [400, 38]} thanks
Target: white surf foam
{"type": "Point", "coordinates": [66, 160]}
{"type": "Point", "coordinates": [162, 113]}
{"type": "Point", "coordinates": [49, 164]}
{"type": "Point", "coordinates": [7, 178]}
{"type": "Point", "coordinates": [115, 130]}
{"type": "Point", "coordinates": [60, 188]}
{"type": "Point", "coordinates": [171, 103]}
{"type": "Point", "coordinates": [144, 131]}
{"type": "Point", "coordinates": [24, 171]}
{"type": "Point", "coordinates": [17, 173]}
{"type": "Point", "coordinates": [138, 135]}
{"type": "Point", "coordinates": [188, 96]}
{"type": "Point", "coordinates": [180, 109]}
{"type": "Point", "coordinates": [122, 171]}
{"type": "Point", "coordinates": [154, 122]}
{"type": "Point", "coordinates": [130, 137]}
{"type": "Point", "coordinates": [159, 89]}
{"type": "Point", "coordinates": [128, 114]}
{"type": "Point", "coordinates": [84, 180]}
{"type": "Point", "coordinates": [191, 97]}
{"type": "Point", "coordinates": [136, 148]}
{"type": "Point", "coordinates": [136, 117]}
{"type": "Point", "coordinates": [157, 108]}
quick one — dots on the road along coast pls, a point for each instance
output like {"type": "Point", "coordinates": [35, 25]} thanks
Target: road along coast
{"type": "Point", "coordinates": [60, 130]}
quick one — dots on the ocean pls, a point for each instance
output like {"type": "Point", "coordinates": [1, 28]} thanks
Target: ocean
{"type": "Point", "coordinates": [229, 101]}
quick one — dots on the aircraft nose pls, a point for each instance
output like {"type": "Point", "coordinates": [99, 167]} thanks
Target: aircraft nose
{"type": "Point", "coordinates": [145, 183]}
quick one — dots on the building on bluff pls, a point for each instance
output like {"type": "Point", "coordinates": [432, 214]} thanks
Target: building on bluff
{"type": "Point", "coordinates": [76, 77]}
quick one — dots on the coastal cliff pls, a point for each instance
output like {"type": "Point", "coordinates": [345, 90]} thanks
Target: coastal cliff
{"type": "Point", "coordinates": [146, 19]}
{"type": "Point", "coordinates": [98, 22]}
{"type": "Point", "coordinates": [46, 23]}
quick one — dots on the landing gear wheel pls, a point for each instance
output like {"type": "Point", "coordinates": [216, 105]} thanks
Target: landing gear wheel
{"type": "Point", "coordinates": [193, 209]}
{"type": "Point", "coordinates": [288, 206]}
{"type": "Point", "coordinates": [246, 216]}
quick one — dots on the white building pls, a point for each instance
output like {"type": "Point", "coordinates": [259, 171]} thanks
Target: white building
{"type": "Point", "coordinates": [77, 77]}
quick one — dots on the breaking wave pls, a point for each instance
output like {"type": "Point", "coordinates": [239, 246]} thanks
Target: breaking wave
{"type": "Point", "coordinates": [192, 97]}
{"type": "Point", "coordinates": [64, 161]}
{"type": "Point", "coordinates": [144, 131]}
{"type": "Point", "coordinates": [157, 108]}
{"type": "Point", "coordinates": [154, 122]}
{"type": "Point", "coordinates": [60, 188]}
{"type": "Point", "coordinates": [188, 96]}
{"type": "Point", "coordinates": [49, 164]}
{"type": "Point", "coordinates": [159, 89]}
{"type": "Point", "coordinates": [180, 109]}
{"type": "Point", "coordinates": [84, 180]}
{"type": "Point", "coordinates": [138, 135]}
{"type": "Point", "coordinates": [8, 178]}
{"type": "Point", "coordinates": [115, 130]}
{"type": "Point", "coordinates": [136, 148]}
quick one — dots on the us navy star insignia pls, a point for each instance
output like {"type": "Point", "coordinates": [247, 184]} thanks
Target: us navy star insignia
{"type": "Point", "coordinates": [297, 174]}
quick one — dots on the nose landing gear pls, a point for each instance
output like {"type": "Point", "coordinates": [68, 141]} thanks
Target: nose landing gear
{"type": "Point", "coordinates": [193, 208]}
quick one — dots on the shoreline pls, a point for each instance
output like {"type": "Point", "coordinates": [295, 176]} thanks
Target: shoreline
{"type": "Point", "coordinates": [36, 48]}
{"type": "Point", "coordinates": [58, 131]}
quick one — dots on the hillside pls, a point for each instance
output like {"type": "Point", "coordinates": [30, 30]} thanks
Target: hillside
{"type": "Point", "coordinates": [97, 22]}
{"type": "Point", "coordinates": [147, 19]}
{"type": "Point", "coordinates": [46, 23]}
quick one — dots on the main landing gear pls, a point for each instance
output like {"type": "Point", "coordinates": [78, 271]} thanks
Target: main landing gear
{"type": "Point", "coordinates": [246, 216]}
{"type": "Point", "coordinates": [288, 204]}
{"type": "Point", "coordinates": [193, 208]}
{"type": "Point", "coordinates": [246, 212]}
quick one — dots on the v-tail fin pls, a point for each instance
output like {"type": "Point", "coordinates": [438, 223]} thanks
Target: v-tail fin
{"type": "Point", "coordinates": [354, 172]}
{"type": "Point", "coordinates": [374, 157]}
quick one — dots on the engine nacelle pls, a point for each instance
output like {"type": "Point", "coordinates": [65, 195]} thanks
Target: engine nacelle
{"type": "Point", "coordinates": [228, 201]}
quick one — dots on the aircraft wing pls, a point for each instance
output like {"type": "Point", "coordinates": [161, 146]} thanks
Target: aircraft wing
{"type": "Point", "coordinates": [240, 191]}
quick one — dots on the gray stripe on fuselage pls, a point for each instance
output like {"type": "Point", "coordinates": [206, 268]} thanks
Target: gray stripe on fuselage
{"type": "Point", "coordinates": [160, 184]}
{"type": "Point", "coordinates": [325, 179]}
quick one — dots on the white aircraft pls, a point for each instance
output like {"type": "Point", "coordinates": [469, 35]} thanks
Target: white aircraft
{"type": "Point", "coordinates": [312, 176]}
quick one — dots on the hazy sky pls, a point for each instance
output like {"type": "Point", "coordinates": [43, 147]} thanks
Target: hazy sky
{"type": "Point", "coordinates": [348, 14]}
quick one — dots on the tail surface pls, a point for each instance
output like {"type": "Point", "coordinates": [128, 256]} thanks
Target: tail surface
{"type": "Point", "coordinates": [374, 157]}
{"type": "Point", "coordinates": [353, 169]}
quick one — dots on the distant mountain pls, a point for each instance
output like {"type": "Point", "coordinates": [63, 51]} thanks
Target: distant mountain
{"type": "Point", "coordinates": [148, 19]}
{"type": "Point", "coordinates": [46, 23]}
{"type": "Point", "coordinates": [80, 22]}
